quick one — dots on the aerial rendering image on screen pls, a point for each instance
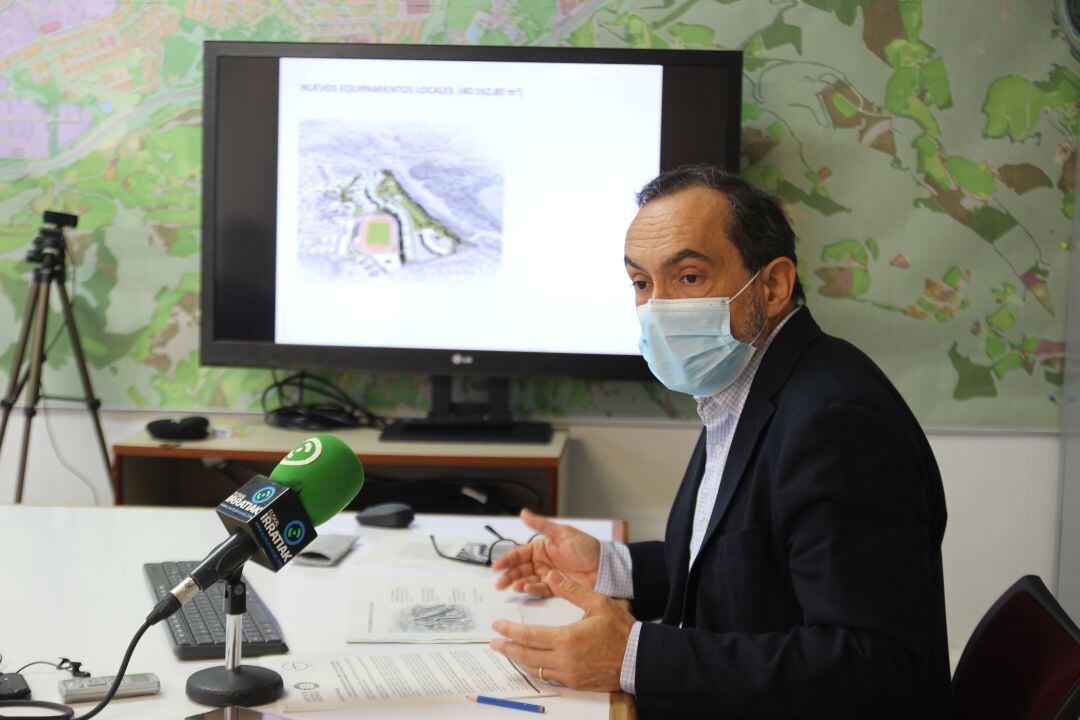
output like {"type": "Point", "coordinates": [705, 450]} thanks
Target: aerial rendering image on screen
{"type": "Point", "coordinates": [396, 202]}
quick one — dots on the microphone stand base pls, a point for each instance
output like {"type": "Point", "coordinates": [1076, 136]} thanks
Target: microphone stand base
{"type": "Point", "coordinates": [245, 686]}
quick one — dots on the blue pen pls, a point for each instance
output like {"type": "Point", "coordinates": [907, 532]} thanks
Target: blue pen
{"type": "Point", "coordinates": [506, 703]}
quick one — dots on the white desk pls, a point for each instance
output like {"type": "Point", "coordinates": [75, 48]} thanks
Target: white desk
{"type": "Point", "coordinates": [72, 585]}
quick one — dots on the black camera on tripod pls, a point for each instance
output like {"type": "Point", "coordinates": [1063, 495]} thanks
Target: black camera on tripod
{"type": "Point", "coordinates": [50, 239]}
{"type": "Point", "coordinates": [48, 252]}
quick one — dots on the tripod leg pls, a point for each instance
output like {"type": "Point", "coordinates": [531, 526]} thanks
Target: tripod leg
{"type": "Point", "coordinates": [92, 403]}
{"type": "Point", "coordinates": [37, 354]}
{"type": "Point", "coordinates": [14, 386]}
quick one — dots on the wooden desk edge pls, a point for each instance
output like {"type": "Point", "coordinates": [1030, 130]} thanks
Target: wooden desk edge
{"type": "Point", "coordinates": [169, 450]}
{"type": "Point", "coordinates": [621, 531]}
{"type": "Point", "coordinates": [621, 705]}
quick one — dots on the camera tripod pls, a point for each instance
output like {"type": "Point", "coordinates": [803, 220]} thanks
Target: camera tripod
{"type": "Point", "coordinates": [49, 253]}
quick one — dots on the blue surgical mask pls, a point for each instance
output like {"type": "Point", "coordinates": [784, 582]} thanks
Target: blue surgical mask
{"type": "Point", "coordinates": [688, 343]}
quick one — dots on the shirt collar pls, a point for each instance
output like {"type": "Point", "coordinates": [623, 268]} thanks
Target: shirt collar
{"type": "Point", "coordinates": [731, 399]}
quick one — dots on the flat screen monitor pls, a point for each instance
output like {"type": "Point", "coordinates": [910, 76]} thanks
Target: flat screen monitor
{"type": "Point", "coordinates": [440, 209]}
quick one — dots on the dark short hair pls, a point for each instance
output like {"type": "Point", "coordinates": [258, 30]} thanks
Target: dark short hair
{"type": "Point", "coordinates": [758, 228]}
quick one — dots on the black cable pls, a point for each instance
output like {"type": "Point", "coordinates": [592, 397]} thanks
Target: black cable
{"type": "Point", "coordinates": [72, 666]}
{"type": "Point", "coordinates": [71, 278]}
{"type": "Point", "coordinates": [119, 673]}
{"type": "Point", "coordinates": [67, 713]}
{"type": "Point", "coordinates": [385, 483]}
{"type": "Point", "coordinates": [53, 665]}
{"type": "Point", "coordinates": [497, 482]}
{"type": "Point", "coordinates": [335, 410]}
{"type": "Point", "coordinates": [63, 711]}
{"type": "Point", "coordinates": [46, 412]}
{"type": "Point", "coordinates": [226, 469]}
{"type": "Point", "coordinates": [31, 664]}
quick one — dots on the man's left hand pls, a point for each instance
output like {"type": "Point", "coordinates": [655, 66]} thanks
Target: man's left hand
{"type": "Point", "coordinates": [585, 655]}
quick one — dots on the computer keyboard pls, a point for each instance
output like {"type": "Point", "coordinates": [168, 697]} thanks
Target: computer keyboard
{"type": "Point", "coordinates": [197, 632]}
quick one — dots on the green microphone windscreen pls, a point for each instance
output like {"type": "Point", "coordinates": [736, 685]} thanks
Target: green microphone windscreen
{"type": "Point", "coordinates": [325, 474]}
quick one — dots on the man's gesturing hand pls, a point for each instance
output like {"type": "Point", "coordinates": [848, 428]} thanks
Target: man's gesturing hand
{"type": "Point", "coordinates": [586, 655]}
{"type": "Point", "coordinates": [561, 548]}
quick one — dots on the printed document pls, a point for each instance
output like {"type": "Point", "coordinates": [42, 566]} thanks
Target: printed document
{"type": "Point", "coordinates": [431, 610]}
{"type": "Point", "coordinates": [401, 676]}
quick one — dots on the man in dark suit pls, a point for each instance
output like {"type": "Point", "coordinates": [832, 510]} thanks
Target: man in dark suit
{"type": "Point", "coordinates": [800, 575]}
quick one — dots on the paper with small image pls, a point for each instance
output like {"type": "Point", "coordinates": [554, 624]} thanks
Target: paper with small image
{"type": "Point", "coordinates": [401, 676]}
{"type": "Point", "coordinates": [439, 610]}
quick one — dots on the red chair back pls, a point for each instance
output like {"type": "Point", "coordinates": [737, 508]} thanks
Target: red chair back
{"type": "Point", "coordinates": [1022, 662]}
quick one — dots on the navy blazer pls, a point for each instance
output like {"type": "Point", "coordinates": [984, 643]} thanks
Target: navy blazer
{"type": "Point", "coordinates": [817, 592]}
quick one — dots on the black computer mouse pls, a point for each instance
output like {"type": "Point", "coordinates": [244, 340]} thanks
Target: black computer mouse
{"type": "Point", "coordinates": [386, 515]}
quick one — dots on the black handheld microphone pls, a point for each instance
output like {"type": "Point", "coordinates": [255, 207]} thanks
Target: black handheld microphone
{"type": "Point", "coordinates": [270, 520]}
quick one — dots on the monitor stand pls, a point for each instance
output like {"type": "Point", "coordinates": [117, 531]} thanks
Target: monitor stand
{"type": "Point", "coordinates": [480, 422]}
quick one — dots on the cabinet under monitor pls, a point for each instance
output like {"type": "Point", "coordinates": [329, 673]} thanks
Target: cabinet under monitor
{"type": "Point", "coordinates": [497, 478]}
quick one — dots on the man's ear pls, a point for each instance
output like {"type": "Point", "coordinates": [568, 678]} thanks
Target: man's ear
{"type": "Point", "coordinates": [778, 277]}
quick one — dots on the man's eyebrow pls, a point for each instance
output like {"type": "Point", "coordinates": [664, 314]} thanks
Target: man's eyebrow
{"type": "Point", "coordinates": [686, 254]}
{"type": "Point", "coordinates": [675, 259]}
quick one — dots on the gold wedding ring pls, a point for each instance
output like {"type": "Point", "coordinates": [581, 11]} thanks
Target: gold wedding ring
{"type": "Point", "coordinates": [541, 674]}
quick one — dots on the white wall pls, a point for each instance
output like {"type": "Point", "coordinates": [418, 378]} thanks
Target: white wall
{"type": "Point", "coordinates": [1002, 491]}
{"type": "Point", "coordinates": [1002, 494]}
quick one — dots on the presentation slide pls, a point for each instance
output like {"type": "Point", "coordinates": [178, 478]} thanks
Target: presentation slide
{"type": "Point", "coordinates": [461, 205]}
